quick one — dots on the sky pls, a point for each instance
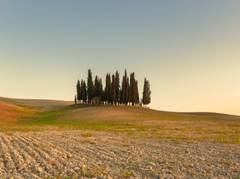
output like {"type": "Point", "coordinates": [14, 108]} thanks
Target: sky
{"type": "Point", "coordinates": [189, 50]}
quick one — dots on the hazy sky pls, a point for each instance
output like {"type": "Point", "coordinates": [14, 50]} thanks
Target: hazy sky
{"type": "Point", "coordinates": [188, 49]}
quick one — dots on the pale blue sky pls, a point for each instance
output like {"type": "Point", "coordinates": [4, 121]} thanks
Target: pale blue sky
{"type": "Point", "coordinates": [189, 50]}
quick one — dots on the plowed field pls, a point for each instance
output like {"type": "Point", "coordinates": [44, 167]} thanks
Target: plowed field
{"type": "Point", "coordinates": [108, 155]}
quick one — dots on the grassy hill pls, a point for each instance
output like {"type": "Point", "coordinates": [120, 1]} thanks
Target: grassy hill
{"type": "Point", "coordinates": [43, 104]}
{"type": "Point", "coordinates": [12, 110]}
{"type": "Point", "coordinates": [9, 113]}
{"type": "Point", "coordinates": [135, 121]}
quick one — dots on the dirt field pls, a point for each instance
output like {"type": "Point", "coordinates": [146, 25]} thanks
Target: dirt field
{"type": "Point", "coordinates": [108, 155]}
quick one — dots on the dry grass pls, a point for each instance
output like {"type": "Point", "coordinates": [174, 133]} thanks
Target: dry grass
{"type": "Point", "coordinates": [10, 113]}
{"type": "Point", "coordinates": [134, 121]}
{"type": "Point", "coordinates": [150, 123]}
{"type": "Point", "coordinates": [42, 104]}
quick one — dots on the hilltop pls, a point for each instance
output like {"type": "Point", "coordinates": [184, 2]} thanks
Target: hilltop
{"type": "Point", "coordinates": [45, 104]}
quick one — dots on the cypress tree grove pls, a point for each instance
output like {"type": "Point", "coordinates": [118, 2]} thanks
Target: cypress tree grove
{"type": "Point", "coordinates": [146, 93]}
{"type": "Point", "coordinates": [90, 87]}
{"type": "Point", "coordinates": [92, 92]}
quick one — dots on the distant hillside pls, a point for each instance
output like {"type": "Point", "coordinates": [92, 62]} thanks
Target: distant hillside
{"type": "Point", "coordinates": [13, 109]}
{"type": "Point", "coordinates": [38, 103]}
{"type": "Point", "coordinates": [9, 112]}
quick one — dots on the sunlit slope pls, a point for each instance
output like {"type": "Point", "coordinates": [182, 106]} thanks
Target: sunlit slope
{"type": "Point", "coordinates": [38, 103]}
{"type": "Point", "coordinates": [138, 114]}
{"type": "Point", "coordinates": [48, 115]}
{"type": "Point", "coordinates": [145, 122]}
{"type": "Point", "coordinates": [11, 110]}
{"type": "Point", "coordinates": [10, 113]}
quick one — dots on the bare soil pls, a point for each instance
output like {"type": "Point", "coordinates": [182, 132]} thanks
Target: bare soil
{"type": "Point", "coordinates": [80, 154]}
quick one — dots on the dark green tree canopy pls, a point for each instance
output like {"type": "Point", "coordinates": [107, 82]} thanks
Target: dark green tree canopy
{"type": "Point", "coordinates": [114, 90]}
{"type": "Point", "coordinates": [125, 89]}
{"type": "Point", "coordinates": [90, 92]}
{"type": "Point", "coordinates": [83, 91]}
{"type": "Point", "coordinates": [136, 93]}
{"type": "Point", "coordinates": [78, 90]}
{"type": "Point", "coordinates": [98, 87]}
{"type": "Point", "coordinates": [117, 86]}
{"type": "Point", "coordinates": [132, 88]}
{"type": "Point", "coordinates": [113, 93]}
{"type": "Point", "coordinates": [146, 93]}
{"type": "Point", "coordinates": [108, 90]}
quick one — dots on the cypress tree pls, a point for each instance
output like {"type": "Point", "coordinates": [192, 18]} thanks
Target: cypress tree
{"type": "Point", "coordinates": [83, 92]}
{"type": "Point", "coordinates": [90, 92]}
{"type": "Point", "coordinates": [117, 86]}
{"type": "Point", "coordinates": [98, 88]}
{"type": "Point", "coordinates": [146, 93]}
{"type": "Point", "coordinates": [122, 91]}
{"type": "Point", "coordinates": [95, 87]}
{"type": "Point", "coordinates": [136, 93]}
{"type": "Point", "coordinates": [114, 90]}
{"type": "Point", "coordinates": [78, 91]}
{"type": "Point", "coordinates": [132, 89]}
{"type": "Point", "coordinates": [108, 90]}
{"type": "Point", "coordinates": [125, 89]}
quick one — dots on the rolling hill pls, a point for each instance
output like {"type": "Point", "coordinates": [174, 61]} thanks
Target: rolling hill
{"type": "Point", "coordinates": [44, 104]}
{"type": "Point", "coordinates": [47, 114]}
{"type": "Point", "coordinates": [11, 110]}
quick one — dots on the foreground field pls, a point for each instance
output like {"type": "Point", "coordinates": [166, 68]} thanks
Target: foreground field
{"type": "Point", "coordinates": [90, 154]}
